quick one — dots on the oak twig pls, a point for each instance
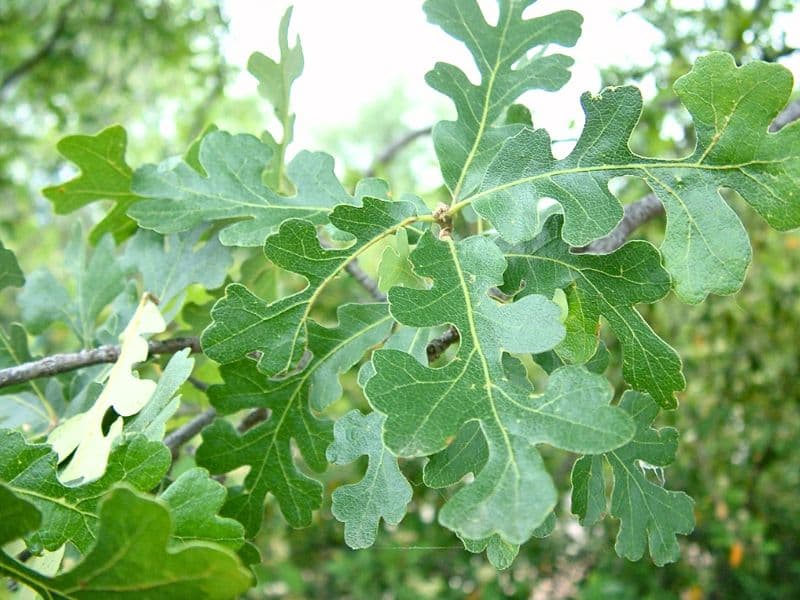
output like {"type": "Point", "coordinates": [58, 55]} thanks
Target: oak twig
{"type": "Point", "coordinates": [63, 363]}
{"type": "Point", "coordinates": [393, 149]}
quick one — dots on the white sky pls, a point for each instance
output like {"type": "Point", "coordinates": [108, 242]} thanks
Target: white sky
{"type": "Point", "coordinates": [356, 49]}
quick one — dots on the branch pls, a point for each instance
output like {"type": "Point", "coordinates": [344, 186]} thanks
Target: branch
{"type": "Point", "coordinates": [63, 363]}
{"type": "Point", "coordinates": [790, 114]}
{"type": "Point", "coordinates": [438, 345]}
{"type": "Point", "coordinates": [185, 432]}
{"type": "Point", "coordinates": [636, 214]}
{"type": "Point", "coordinates": [42, 53]}
{"type": "Point", "coordinates": [393, 149]}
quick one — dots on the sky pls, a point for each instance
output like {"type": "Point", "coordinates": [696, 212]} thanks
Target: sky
{"type": "Point", "coordinates": [355, 50]}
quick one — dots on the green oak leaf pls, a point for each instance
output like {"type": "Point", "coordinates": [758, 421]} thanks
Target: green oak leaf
{"type": "Point", "coordinates": [17, 516]}
{"type": "Point", "coordinates": [33, 406]}
{"type": "Point", "coordinates": [69, 514]}
{"type": "Point", "coordinates": [275, 81]}
{"type": "Point", "coordinates": [171, 264]}
{"type": "Point", "coordinates": [10, 273]}
{"type": "Point", "coordinates": [242, 322]}
{"type": "Point", "coordinates": [194, 500]}
{"type": "Point", "coordinates": [151, 421]}
{"type": "Point", "coordinates": [466, 146]}
{"type": "Point", "coordinates": [705, 248]}
{"type": "Point", "coordinates": [395, 267]}
{"type": "Point", "coordinates": [426, 407]}
{"type": "Point", "coordinates": [649, 514]}
{"type": "Point", "coordinates": [104, 176]}
{"type": "Point", "coordinates": [98, 280]}
{"type": "Point", "coordinates": [178, 198]}
{"type": "Point", "coordinates": [383, 492]}
{"type": "Point", "coordinates": [608, 285]}
{"type": "Point", "coordinates": [267, 447]}
{"type": "Point", "coordinates": [132, 558]}
{"type": "Point", "coordinates": [501, 554]}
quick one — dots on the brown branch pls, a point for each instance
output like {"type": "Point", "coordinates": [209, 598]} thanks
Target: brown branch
{"type": "Point", "coordinates": [185, 432]}
{"type": "Point", "coordinates": [438, 345]}
{"type": "Point", "coordinates": [63, 363]}
{"type": "Point", "coordinates": [387, 154]}
{"type": "Point", "coordinates": [40, 54]}
{"type": "Point", "coordinates": [635, 215]}
{"type": "Point", "coordinates": [790, 114]}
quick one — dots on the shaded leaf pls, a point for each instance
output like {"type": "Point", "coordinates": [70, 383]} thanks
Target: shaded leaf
{"type": "Point", "coordinates": [649, 514]}
{"type": "Point", "coordinates": [267, 448]}
{"type": "Point", "coordinates": [608, 285]}
{"type": "Point", "coordinates": [178, 198]}
{"type": "Point", "coordinates": [244, 323]}
{"type": "Point", "coordinates": [10, 273]}
{"type": "Point", "coordinates": [131, 559]}
{"type": "Point", "coordinates": [383, 493]}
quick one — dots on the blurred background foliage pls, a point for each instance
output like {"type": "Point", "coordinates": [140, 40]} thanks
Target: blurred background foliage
{"type": "Point", "coordinates": [157, 67]}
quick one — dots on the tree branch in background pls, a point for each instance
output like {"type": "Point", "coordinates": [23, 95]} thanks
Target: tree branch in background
{"type": "Point", "coordinates": [393, 149]}
{"type": "Point", "coordinates": [63, 363]}
{"type": "Point", "coordinates": [185, 432]}
{"type": "Point", "coordinates": [790, 114]}
{"type": "Point", "coordinates": [42, 53]}
{"type": "Point", "coordinates": [635, 215]}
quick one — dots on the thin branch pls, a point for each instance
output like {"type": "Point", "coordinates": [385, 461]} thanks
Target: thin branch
{"type": "Point", "coordinates": [387, 154]}
{"type": "Point", "coordinates": [63, 363]}
{"type": "Point", "coordinates": [355, 270]}
{"type": "Point", "coordinates": [185, 432]}
{"type": "Point", "coordinates": [40, 54]}
{"type": "Point", "coordinates": [636, 214]}
{"type": "Point", "coordinates": [790, 114]}
{"type": "Point", "coordinates": [438, 345]}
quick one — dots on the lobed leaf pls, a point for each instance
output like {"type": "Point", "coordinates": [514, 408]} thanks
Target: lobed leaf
{"type": "Point", "coordinates": [512, 493]}
{"type": "Point", "coordinates": [608, 285]}
{"type": "Point", "coordinates": [649, 514]}
{"type": "Point", "coordinates": [69, 514]}
{"type": "Point", "coordinates": [242, 322]}
{"type": "Point", "coordinates": [131, 558]}
{"type": "Point", "coordinates": [383, 493]}
{"type": "Point", "coordinates": [705, 248]}
{"type": "Point", "coordinates": [104, 176]}
{"type": "Point", "coordinates": [266, 448]}
{"type": "Point", "coordinates": [179, 198]}
{"type": "Point", "coordinates": [465, 146]}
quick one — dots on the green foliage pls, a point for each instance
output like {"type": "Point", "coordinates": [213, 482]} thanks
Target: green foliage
{"type": "Point", "coordinates": [482, 357]}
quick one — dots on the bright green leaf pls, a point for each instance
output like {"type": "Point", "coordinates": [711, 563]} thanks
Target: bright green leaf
{"type": "Point", "coordinates": [104, 176]}
{"type": "Point", "coordinates": [131, 558]}
{"type": "Point", "coordinates": [69, 514]}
